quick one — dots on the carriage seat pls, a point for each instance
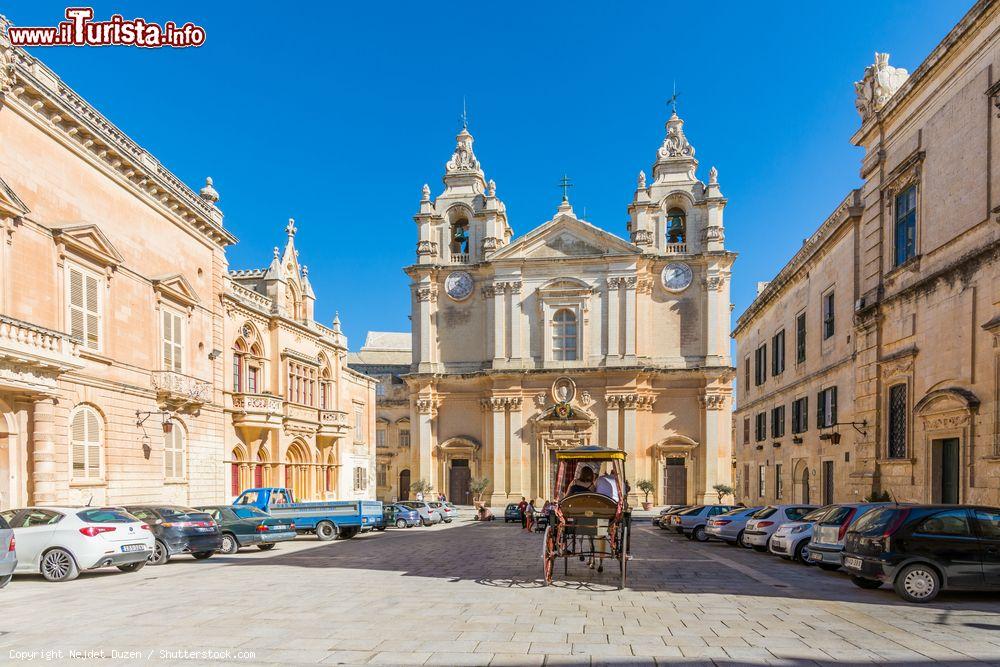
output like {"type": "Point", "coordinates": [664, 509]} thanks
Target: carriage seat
{"type": "Point", "coordinates": [588, 505]}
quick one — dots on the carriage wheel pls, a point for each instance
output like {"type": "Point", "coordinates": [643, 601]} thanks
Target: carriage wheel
{"type": "Point", "coordinates": [623, 556]}
{"type": "Point", "coordinates": [548, 555]}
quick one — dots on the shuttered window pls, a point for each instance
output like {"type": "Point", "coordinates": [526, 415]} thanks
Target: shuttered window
{"type": "Point", "coordinates": [172, 334]}
{"type": "Point", "coordinates": [85, 445]}
{"type": "Point", "coordinates": [84, 307]}
{"type": "Point", "coordinates": [173, 453]}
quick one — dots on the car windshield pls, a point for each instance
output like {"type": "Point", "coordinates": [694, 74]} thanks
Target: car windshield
{"type": "Point", "coordinates": [106, 515]}
{"type": "Point", "coordinates": [434, 505]}
{"type": "Point", "coordinates": [692, 510]}
{"type": "Point", "coordinates": [249, 513]}
{"type": "Point", "coordinates": [875, 522]}
{"type": "Point", "coordinates": [837, 516]}
{"type": "Point", "coordinates": [180, 514]}
{"type": "Point", "coordinates": [816, 514]}
{"type": "Point", "coordinates": [764, 513]}
{"type": "Point", "coordinates": [511, 506]}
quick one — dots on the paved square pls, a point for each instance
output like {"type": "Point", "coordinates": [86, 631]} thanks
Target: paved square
{"type": "Point", "coordinates": [468, 594]}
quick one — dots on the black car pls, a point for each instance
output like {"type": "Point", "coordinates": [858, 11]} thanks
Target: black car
{"type": "Point", "coordinates": [512, 513]}
{"type": "Point", "coordinates": [179, 530]}
{"type": "Point", "coordinates": [924, 549]}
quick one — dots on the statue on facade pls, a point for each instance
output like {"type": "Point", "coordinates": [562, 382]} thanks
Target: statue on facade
{"type": "Point", "coordinates": [879, 83]}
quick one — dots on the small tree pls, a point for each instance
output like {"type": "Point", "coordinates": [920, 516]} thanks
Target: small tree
{"type": "Point", "coordinates": [646, 487]}
{"type": "Point", "coordinates": [478, 486]}
{"type": "Point", "coordinates": [421, 486]}
{"type": "Point", "coordinates": [723, 490]}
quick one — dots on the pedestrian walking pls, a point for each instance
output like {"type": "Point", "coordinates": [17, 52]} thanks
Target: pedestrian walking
{"type": "Point", "coordinates": [530, 513]}
{"type": "Point", "coordinates": [522, 509]}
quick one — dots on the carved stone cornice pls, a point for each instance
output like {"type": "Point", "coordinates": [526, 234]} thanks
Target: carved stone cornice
{"type": "Point", "coordinates": [905, 174]}
{"type": "Point", "coordinates": [993, 92]}
{"type": "Point", "coordinates": [944, 422]}
{"type": "Point", "coordinates": [426, 406]}
{"type": "Point", "coordinates": [630, 400]}
{"type": "Point", "coordinates": [644, 286]}
{"type": "Point", "coordinates": [490, 291]}
{"type": "Point", "coordinates": [712, 401]}
{"type": "Point", "coordinates": [717, 283]}
{"type": "Point", "coordinates": [491, 243]}
{"type": "Point", "coordinates": [427, 248]}
{"type": "Point", "coordinates": [427, 293]}
{"type": "Point", "coordinates": [494, 404]}
{"type": "Point", "coordinates": [715, 234]}
{"type": "Point", "coordinates": [642, 237]}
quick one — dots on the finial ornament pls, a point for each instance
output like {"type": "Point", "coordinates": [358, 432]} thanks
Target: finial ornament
{"type": "Point", "coordinates": [465, 115]}
{"type": "Point", "coordinates": [879, 83]}
{"type": "Point", "coordinates": [305, 271]}
{"type": "Point", "coordinates": [713, 176]}
{"type": "Point", "coordinates": [290, 228]}
{"type": "Point", "coordinates": [209, 193]}
{"type": "Point", "coordinates": [565, 183]}
{"type": "Point", "coordinates": [336, 321]}
{"type": "Point", "coordinates": [276, 252]}
{"type": "Point", "coordinates": [641, 181]}
{"type": "Point", "coordinates": [463, 160]}
{"type": "Point", "coordinates": [673, 99]}
{"type": "Point", "coordinates": [491, 188]}
{"type": "Point", "coordinates": [425, 193]}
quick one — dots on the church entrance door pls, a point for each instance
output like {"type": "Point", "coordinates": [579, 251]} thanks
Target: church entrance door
{"type": "Point", "coordinates": [674, 482]}
{"type": "Point", "coordinates": [459, 481]}
{"type": "Point", "coordinates": [404, 484]}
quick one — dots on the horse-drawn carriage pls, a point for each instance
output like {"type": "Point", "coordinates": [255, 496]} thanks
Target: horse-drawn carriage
{"type": "Point", "coordinates": [591, 517]}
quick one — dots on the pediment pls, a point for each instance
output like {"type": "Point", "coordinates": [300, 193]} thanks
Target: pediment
{"type": "Point", "coordinates": [176, 288]}
{"type": "Point", "coordinates": [10, 203]}
{"type": "Point", "coordinates": [566, 237]}
{"type": "Point", "coordinates": [88, 240]}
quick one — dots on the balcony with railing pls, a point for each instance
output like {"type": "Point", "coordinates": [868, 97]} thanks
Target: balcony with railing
{"type": "Point", "coordinates": [676, 249]}
{"type": "Point", "coordinates": [459, 258]}
{"type": "Point", "coordinates": [32, 357]}
{"type": "Point", "coordinates": [177, 391]}
{"type": "Point", "coordinates": [257, 411]}
{"type": "Point", "coordinates": [333, 423]}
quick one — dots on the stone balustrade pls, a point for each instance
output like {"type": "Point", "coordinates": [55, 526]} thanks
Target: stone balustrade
{"type": "Point", "coordinates": [177, 390]}
{"type": "Point", "coordinates": [676, 249]}
{"type": "Point", "coordinates": [31, 357]}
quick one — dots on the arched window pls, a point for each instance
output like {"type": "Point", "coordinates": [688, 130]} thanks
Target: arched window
{"type": "Point", "coordinates": [295, 301]}
{"type": "Point", "coordinates": [173, 453]}
{"type": "Point", "coordinates": [326, 399]}
{"type": "Point", "coordinates": [248, 362]}
{"type": "Point", "coordinates": [676, 226]}
{"type": "Point", "coordinates": [86, 441]}
{"type": "Point", "coordinates": [564, 335]}
{"type": "Point", "coordinates": [460, 236]}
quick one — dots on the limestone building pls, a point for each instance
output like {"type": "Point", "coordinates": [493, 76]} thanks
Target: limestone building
{"type": "Point", "coordinates": [110, 271]}
{"type": "Point", "coordinates": [297, 415]}
{"type": "Point", "coordinates": [921, 340]}
{"type": "Point", "coordinates": [386, 356]}
{"type": "Point", "coordinates": [570, 335]}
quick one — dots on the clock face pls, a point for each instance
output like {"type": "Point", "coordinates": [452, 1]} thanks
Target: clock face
{"type": "Point", "coordinates": [676, 276]}
{"type": "Point", "coordinates": [458, 285]}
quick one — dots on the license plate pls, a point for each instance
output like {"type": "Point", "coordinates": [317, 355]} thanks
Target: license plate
{"type": "Point", "coordinates": [778, 544]}
{"type": "Point", "coordinates": [816, 556]}
{"type": "Point", "coordinates": [127, 548]}
{"type": "Point", "coordinates": [205, 530]}
{"type": "Point", "coordinates": [853, 563]}
{"type": "Point", "coordinates": [279, 528]}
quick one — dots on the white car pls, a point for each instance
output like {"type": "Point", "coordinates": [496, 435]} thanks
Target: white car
{"type": "Point", "coordinates": [764, 523]}
{"type": "Point", "coordinates": [60, 542]}
{"type": "Point", "coordinates": [791, 540]}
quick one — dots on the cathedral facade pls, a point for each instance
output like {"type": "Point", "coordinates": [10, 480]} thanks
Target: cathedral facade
{"type": "Point", "coordinates": [570, 335]}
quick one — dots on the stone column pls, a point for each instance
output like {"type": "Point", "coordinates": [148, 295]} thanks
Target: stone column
{"type": "Point", "coordinates": [426, 296]}
{"type": "Point", "coordinates": [498, 435]}
{"type": "Point", "coordinates": [43, 452]}
{"type": "Point", "coordinates": [425, 444]}
{"type": "Point", "coordinates": [717, 318]}
{"type": "Point", "coordinates": [630, 315]}
{"type": "Point", "coordinates": [614, 347]}
{"type": "Point", "coordinates": [499, 339]}
{"type": "Point", "coordinates": [515, 322]}
{"type": "Point", "coordinates": [614, 406]}
{"type": "Point", "coordinates": [519, 454]}
{"type": "Point", "coordinates": [629, 445]}
{"type": "Point", "coordinates": [712, 405]}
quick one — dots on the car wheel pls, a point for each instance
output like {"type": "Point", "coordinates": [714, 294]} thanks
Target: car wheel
{"type": "Point", "coordinates": [800, 551]}
{"type": "Point", "coordinates": [5, 580]}
{"type": "Point", "coordinates": [400, 523]}
{"type": "Point", "coordinates": [160, 555]}
{"type": "Point", "coordinates": [738, 542]}
{"type": "Point", "coordinates": [917, 583]}
{"type": "Point", "coordinates": [266, 547]}
{"type": "Point", "coordinates": [426, 522]}
{"type": "Point", "coordinates": [829, 567]}
{"type": "Point", "coordinates": [202, 555]}
{"type": "Point", "coordinates": [700, 534]}
{"type": "Point", "coordinates": [133, 567]}
{"type": "Point", "coordinates": [869, 584]}
{"type": "Point", "coordinates": [743, 541]}
{"type": "Point", "coordinates": [229, 544]}
{"type": "Point", "coordinates": [326, 531]}
{"type": "Point", "coordinates": [58, 565]}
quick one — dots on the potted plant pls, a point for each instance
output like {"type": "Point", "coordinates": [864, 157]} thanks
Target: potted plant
{"type": "Point", "coordinates": [646, 487]}
{"type": "Point", "coordinates": [478, 487]}
{"type": "Point", "coordinates": [423, 487]}
{"type": "Point", "coordinates": [723, 490]}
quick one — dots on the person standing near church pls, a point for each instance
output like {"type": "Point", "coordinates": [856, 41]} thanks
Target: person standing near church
{"type": "Point", "coordinates": [522, 509]}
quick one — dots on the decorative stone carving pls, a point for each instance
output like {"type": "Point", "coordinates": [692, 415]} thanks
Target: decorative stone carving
{"type": "Point", "coordinates": [463, 160]}
{"type": "Point", "coordinates": [425, 193]}
{"type": "Point", "coordinates": [427, 294]}
{"type": "Point", "coordinates": [586, 400]}
{"type": "Point", "coordinates": [494, 404]}
{"type": "Point", "coordinates": [880, 81]}
{"type": "Point", "coordinates": [944, 422]}
{"type": "Point", "coordinates": [489, 291]}
{"type": "Point", "coordinates": [427, 248]}
{"type": "Point", "coordinates": [642, 237]}
{"type": "Point", "coordinates": [540, 399]}
{"type": "Point", "coordinates": [7, 75]}
{"type": "Point", "coordinates": [563, 390]}
{"type": "Point", "coordinates": [716, 283]}
{"type": "Point", "coordinates": [715, 234]}
{"type": "Point", "coordinates": [425, 406]}
{"type": "Point", "coordinates": [713, 176]}
{"type": "Point", "coordinates": [675, 145]}
{"type": "Point", "coordinates": [209, 193]}
{"type": "Point", "coordinates": [713, 401]}
{"type": "Point", "coordinates": [491, 188]}
{"type": "Point", "coordinates": [490, 243]}
{"type": "Point", "coordinates": [641, 181]}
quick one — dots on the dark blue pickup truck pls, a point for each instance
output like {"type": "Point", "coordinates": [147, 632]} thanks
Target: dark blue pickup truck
{"type": "Point", "coordinates": [328, 519]}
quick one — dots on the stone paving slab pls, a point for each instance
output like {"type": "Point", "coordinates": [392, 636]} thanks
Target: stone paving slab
{"type": "Point", "coordinates": [468, 594]}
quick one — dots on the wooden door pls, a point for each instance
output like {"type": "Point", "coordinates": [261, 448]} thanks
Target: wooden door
{"type": "Point", "coordinates": [827, 482]}
{"type": "Point", "coordinates": [949, 484]}
{"type": "Point", "coordinates": [234, 481]}
{"type": "Point", "coordinates": [674, 482]}
{"type": "Point", "coordinates": [404, 484]}
{"type": "Point", "coordinates": [258, 476]}
{"type": "Point", "coordinates": [459, 482]}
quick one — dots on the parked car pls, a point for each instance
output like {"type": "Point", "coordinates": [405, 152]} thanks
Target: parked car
{"type": "Point", "coordinates": [791, 540]}
{"type": "Point", "coordinates": [60, 542]}
{"type": "Point", "coordinates": [248, 526]}
{"type": "Point", "coordinates": [762, 524]}
{"type": "Point", "coordinates": [729, 526]}
{"type": "Point", "coordinates": [327, 519]}
{"type": "Point", "coordinates": [8, 553]}
{"type": "Point", "coordinates": [428, 515]}
{"type": "Point", "coordinates": [828, 533]}
{"type": "Point", "coordinates": [924, 549]}
{"type": "Point", "coordinates": [512, 513]}
{"type": "Point", "coordinates": [665, 511]}
{"type": "Point", "coordinates": [400, 516]}
{"type": "Point", "coordinates": [179, 530]}
{"type": "Point", "coordinates": [692, 522]}
{"type": "Point", "coordinates": [447, 513]}
{"type": "Point", "coordinates": [667, 518]}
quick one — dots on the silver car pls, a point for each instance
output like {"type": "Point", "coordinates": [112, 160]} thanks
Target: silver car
{"type": "Point", "coordinates": [762, 525]}
{"type": "Point", "coordinates": [8, 555]}
{"type": "Point", "coordinates": [729, 526]}
{"type": "Point", "coordinates": [428, 515]}
{"type": "Point", "coordinates": [791, 540]}
{"type": "Point", "coordinates": [829, 533]}
{"type": "Point", "coordinates": [692, 522]}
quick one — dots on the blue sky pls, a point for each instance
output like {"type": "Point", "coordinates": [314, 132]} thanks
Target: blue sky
{"type": "Point", "coordinates": [336, 115]}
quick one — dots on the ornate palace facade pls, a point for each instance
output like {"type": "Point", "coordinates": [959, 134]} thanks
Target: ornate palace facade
{"type": "Point", "coordinates": [570, 335]}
